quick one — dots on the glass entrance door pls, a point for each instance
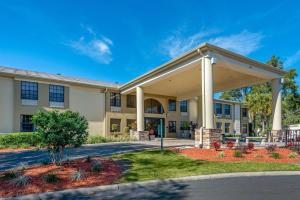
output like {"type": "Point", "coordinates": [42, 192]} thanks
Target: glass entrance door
{"type": "Point", "coordinates": [153, 126]}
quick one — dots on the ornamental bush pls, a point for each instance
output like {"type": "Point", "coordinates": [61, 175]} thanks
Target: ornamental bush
{"type": "Point", "coordinates": [216, 144]}
{"type": "Point", "coordinates": [59, 130]}
{"type": "Point", "coordinates": [250, 146]}
{"type": "Point", "coordinates": [21, 139]}
{"type": "Point", "coordinates": [230, 144]}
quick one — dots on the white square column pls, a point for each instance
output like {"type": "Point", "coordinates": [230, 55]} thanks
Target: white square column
{"type": "Point", "coordinates": [207, 93]}
{"type": "Point", "coordinates": [276, 108]}
{"type": "Point", "coordinates": [140, 109]}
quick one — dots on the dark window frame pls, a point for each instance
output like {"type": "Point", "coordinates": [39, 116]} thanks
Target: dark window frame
{"type": "Point", "coordinates": [172, 105]}
{"type": "Point", "coordinates": [57, 93]}
{"type": "Point", "coordinates": [155, 107]}
{"type": "Point", "coordinates": [172, 126]}
{"type": "Point", "coordinates": [225, 109]}
{"type": "Point", "coordinates": [183, 106]}
{"type": "Point", "coordinates": [225, 127]}
{"type": "Point", "coordinates": [115, 121]}
{"type": "Point", "coordinates": [115, 99]}
{"type": "Point", "coordinates": [218, 108]}
{"type": "Point", "coordinates": [26, 124]}
{"type": "Point", "coordinates": [29, 90]}
{"type": "Point", "coordinates": [244, 112]}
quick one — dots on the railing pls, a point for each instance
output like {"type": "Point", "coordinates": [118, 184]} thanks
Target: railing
{"type": "Point", "coordinates": [292, 138]}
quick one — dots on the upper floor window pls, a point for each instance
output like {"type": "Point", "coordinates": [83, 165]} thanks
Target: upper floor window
{"type": "Point", "coordinates": [183, 106]}
{"type": "Point", "coordinates": [29, 90]}
{"type": "Point", "coordinates": [56, 93]}
{"type": "Point", "coordinates": [244, 112]}
{"type": "Point", "coordinates": [153, 106]}
{"type": "Point", "coordinates": [218, 109]}
{"type": "Point", "coordinates": [131, 101]}
{"type": "Point", "coordinates": [227, 109]}
{"type": "Point", "coordinates": [115, 99]}
{"type": "Point", "coordinates": [172, 105]}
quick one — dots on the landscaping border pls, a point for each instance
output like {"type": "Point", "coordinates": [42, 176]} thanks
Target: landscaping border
{"type": "Point", "coordinates": [126, 186]}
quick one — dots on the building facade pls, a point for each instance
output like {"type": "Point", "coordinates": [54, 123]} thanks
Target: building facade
{"type": "Point", "coordinates": [171, 98]}
{"type": "Point", "coordinates": [23, 93]}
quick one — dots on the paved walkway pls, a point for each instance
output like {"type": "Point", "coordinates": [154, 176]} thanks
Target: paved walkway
{"type": "Point", "coordinates": [13, 159]}
{"type": "Point", "coordinates": [240, 186]}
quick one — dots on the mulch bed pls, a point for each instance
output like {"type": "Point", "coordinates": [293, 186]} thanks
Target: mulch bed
{"type": "Point", "coordinates": [9, 150]}
{"type": "Point", "coordinates": [109, 174]}
{"type": "Point", "coordinates": [257, 155]}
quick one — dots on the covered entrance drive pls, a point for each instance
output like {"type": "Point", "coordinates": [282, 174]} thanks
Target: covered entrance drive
{"type": "Point", "coordinates": [200, 73]}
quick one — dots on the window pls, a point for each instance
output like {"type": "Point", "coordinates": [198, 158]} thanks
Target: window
{"type": "Point", "coordinates": [227, 109]}
{"type": "Point", "coordinates": [153, 106]}
{"type": "Point", "coordinates": [26, 123]}
{"type": "Point", "coordinates": [115, 125]}
{"type": "Point", "coordinates": [131, 123]}
{"type": "Point", "coordinates": [244, 112]}
{"type": "Point", "coordinates": [244, 128]}
{"type": "Point", "coordinates": [56, 93]}
{"type": "Point", "coordinates": [227, 127]}
{"type": "Point", "coordinates": [218, 109]}
{"type": "Point", "coordinates": [172, 126]}
{"type": "Point", "coordinates": [29, 90]}
{"type": "Point", "coordinates": [219, 125]}
{"type": "Point", "coordinates": [183, 106]}
{"type": "Point", "coordinates": [172, 105]}
{"type": "Point", "coordinates": [115, 99]}
{"type": "Point", "coordinates": [131, 101]}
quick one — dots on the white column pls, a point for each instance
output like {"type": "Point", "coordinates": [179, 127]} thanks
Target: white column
{"type": "Point", "coordinates": [140, 109]}
{"type": "Point", "coordinates": [207, 93]}
{"type": "Point", "coordinates": [276, 104]}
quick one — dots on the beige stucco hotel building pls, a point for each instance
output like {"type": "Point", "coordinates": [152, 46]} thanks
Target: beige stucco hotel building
{"type": "Point", "coordinates": [176, 95]}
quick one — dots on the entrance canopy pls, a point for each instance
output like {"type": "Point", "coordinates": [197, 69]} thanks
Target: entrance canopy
{"type": "Point", "coordinates": [182, 77]}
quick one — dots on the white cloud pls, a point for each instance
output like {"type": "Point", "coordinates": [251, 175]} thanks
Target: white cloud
{"type": "Point", "coordinates": [97, 48]}
{"type": "Point", "coordinates": [244, 42]}
{"type": "Point", "coordinates": [292, 59]}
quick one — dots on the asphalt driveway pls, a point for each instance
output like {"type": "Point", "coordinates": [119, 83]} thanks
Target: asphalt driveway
{"type": "Point", "coordinates": [13, 159]}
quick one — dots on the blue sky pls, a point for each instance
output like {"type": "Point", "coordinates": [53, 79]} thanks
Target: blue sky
{"type": "Point", "coordinates": [116, 41]}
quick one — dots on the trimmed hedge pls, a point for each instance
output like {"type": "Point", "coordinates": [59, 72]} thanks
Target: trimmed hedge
{"type": "Point", "coordinates": [21, 139]}
{"type": "Point", "coordinates": [95, 139]}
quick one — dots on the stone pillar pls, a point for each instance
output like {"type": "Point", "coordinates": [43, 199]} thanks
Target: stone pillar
{"type": "Point", "coordinates": [276, 109]}
{"type": "Point", "coordinates": [140, 109]}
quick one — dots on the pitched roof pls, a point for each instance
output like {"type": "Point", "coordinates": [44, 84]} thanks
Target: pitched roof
{"type": "Point", "coordinates": [20, 73]}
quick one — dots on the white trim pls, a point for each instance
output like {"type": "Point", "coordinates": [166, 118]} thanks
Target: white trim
{"type": "Point", "coordinates": [29, 102]}
{"type": "Point", "coordinates": [54, 104]}
{"type": "Point", "coordinates": [161, 75]}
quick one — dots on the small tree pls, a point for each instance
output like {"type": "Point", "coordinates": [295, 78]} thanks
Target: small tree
{"type": "Point", "coordinates": [61, 129]}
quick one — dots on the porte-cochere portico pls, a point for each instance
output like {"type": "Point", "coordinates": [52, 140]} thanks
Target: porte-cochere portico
{"type": "Point", "coordinates": [199, 74]}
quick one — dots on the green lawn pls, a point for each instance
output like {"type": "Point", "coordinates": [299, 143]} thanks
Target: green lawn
{"type": "Point", "coordinates": [148, 165]}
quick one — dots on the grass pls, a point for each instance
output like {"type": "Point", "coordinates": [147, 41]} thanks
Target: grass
{"type": "Point", "coordinates": [149, 165]}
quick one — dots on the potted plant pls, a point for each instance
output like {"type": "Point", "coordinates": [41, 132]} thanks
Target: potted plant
{"type": "Point", "coordinates": [186, 129]}
{"type": "Point", "coordinates": [114, 128]}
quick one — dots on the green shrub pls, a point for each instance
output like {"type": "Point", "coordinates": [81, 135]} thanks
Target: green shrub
{"type": "Point", "coordinates": [96, 167]}
{"type": "Point", "coordinates": [275, 155]}
{"type": "Point", "coordinates": [10, 175]}
{"type": "Point", "coordinates": [96, 139]}
{"type": "Point", "coordinates": [60, 129]}
{"type": "Point", "coordinates": [221, 154]}
{"type": "Point", "coordinates": [78, 175]}
{"type": "Point", "coordinates": [21, 180]}
{"type": "Point", "coordinates": [237, 154]}
{"type": "Point", "coordinates": [51, 178]}
{"type": "Point", "coordinates": [293, 155]}
{"type": "Point", "coordinates": [15, 140]}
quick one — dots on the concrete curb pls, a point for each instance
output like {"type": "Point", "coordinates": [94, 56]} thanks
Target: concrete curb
{"type": "Point", "coordinates": [126, 186]}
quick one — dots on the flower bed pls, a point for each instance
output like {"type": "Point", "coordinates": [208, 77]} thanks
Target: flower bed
{"type": "Point", "coordinates": [257, 155]}
{"type": "Point", "coordinates": [109, 173]}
